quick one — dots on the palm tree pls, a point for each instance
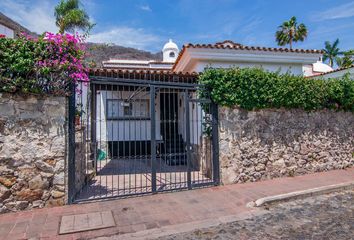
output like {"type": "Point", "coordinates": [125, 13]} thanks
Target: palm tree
{"type": "Point", "coordinates": [347, 60]}
{"type": "Point", "coordinates": [70, 16]}
{"type": "Point", "coordinates": [289, 32]}
{"type": "Point", "coordinates": [331, 52]}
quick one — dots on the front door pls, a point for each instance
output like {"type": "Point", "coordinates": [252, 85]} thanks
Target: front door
{"type": "Point", "coordinates": [169, 115]}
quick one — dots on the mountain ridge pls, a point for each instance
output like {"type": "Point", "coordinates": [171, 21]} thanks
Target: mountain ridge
{"type": "Point", "coordinates": [98, 52]}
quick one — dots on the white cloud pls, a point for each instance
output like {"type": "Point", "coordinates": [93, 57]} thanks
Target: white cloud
{"type": "Point", "coordinates": [251, 25]}
{"type": "Point", "coordinates": [36, 16]}
{"type": "Point", "coordinates": [128, 37]}
{"type": "Point", "coordinates": [208, 36]}
{"type": "Point", "coordinates": [145, 8]}
{"type": "Point", "coordinates": [341, 11]}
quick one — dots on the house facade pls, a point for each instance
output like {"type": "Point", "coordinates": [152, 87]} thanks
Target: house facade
{"type": "Point", "coordinates": [119, 110]}
{"type": "Point", "coordinates": [12, 29]}
{"type": "Point", "coordinates": [150, 130]}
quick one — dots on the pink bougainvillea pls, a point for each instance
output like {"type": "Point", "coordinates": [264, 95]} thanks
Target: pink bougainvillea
{"type": "Point", "coordinates": [65, 52]}
{"type": "Point", "coordinates": [47, 64]}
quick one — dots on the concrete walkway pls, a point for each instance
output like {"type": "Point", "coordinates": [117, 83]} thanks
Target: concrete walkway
{"type": "Point", "coordinates": [161, 210]}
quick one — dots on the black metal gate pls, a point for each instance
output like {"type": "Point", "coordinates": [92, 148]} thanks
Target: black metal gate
{"type": "Point", "coordinates": [139, 137]}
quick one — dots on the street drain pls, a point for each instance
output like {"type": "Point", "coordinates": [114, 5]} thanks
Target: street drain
{"type": "Point", "coordinates": [86, 222]}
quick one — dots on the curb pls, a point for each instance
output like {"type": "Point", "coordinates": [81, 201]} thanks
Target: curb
{"type": "Point", "coordinates": [301, 194]}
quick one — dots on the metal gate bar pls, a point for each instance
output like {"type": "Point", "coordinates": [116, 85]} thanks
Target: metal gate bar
{"type": "Point", "coordinates": [153, 138]}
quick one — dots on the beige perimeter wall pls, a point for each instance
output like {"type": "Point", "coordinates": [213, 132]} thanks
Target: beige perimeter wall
{"type": "Point", "coordinates": [264, 144]}
{"type": "Point", "coordinates": [32, 151]}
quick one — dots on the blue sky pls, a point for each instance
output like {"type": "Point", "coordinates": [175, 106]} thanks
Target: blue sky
{"type": "Point", "coordinates": [148, 25]}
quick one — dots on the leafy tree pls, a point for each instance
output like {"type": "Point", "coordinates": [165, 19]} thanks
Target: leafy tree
{"type": "Point", "coordinates": [289, 32]}
{"type": "Point", "coordinates": [69, 16]}
{"type": "Point", "coordinates": [347, 60]}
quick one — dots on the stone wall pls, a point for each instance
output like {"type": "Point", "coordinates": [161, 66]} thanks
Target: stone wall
{"type": "Point", "coordinates": [84, 159]}
{"type": "Point", "coordinates": [201, 157]}
{"type": "Point", "coordinates": [264, 144]}
{"type": "Point", "coordinates": [32, 151]}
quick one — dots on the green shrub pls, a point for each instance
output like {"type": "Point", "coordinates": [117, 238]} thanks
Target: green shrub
{"type": "Point", "coordinates": [254, 88]}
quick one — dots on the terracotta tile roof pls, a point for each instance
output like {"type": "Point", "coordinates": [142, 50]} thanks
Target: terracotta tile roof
{"type": "Point", "coordinates": [228, 44]}
{"type": "Point", "coordinates": [95, 71]}
{"type": "Point", "coordinates": [145, 74]}
{"type": "Point", "coordinates": [335, 70]}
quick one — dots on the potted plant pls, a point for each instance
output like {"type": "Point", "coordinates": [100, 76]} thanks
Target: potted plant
{"type": "Point", "coordinates": [78, 113]}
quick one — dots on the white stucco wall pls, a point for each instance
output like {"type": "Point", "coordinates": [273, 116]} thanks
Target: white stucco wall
{"type": "Point", "coordinates": [121, 129]}
{"type": "Point", "coordinates": [307, 70]}
{"type": "Point", "coordinates": [7, 31]}
{"type": "Point", "coordinates": [195, 119]}
{"type": "Point", "coordinates": [295, 69]}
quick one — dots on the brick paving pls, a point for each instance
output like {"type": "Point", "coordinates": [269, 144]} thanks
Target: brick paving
{"type": "Point", "coordinates": [155, 211]}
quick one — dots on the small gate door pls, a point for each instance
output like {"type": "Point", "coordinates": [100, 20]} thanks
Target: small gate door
{"type": "Point", "coordinates": [202, 140]}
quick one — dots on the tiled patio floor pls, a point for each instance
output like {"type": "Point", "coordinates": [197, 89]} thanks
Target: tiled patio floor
{"type": "Point", "coordinates": [118, 177]}
{"type": "Point", "coordinates": [155, 211]}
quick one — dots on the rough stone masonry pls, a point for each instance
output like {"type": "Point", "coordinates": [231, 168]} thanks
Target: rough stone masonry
{"type": "Point", "coordinates": [264, 144]}
{"type": "Point", "coordinates": [32, 151]}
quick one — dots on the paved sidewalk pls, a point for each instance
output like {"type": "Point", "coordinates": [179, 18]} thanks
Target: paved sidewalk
{"type": "Point", "coordinates": [168, 209]}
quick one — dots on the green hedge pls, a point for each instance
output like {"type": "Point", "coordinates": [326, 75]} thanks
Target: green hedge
{"type": "Point", "coordinates": [254, 88]}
